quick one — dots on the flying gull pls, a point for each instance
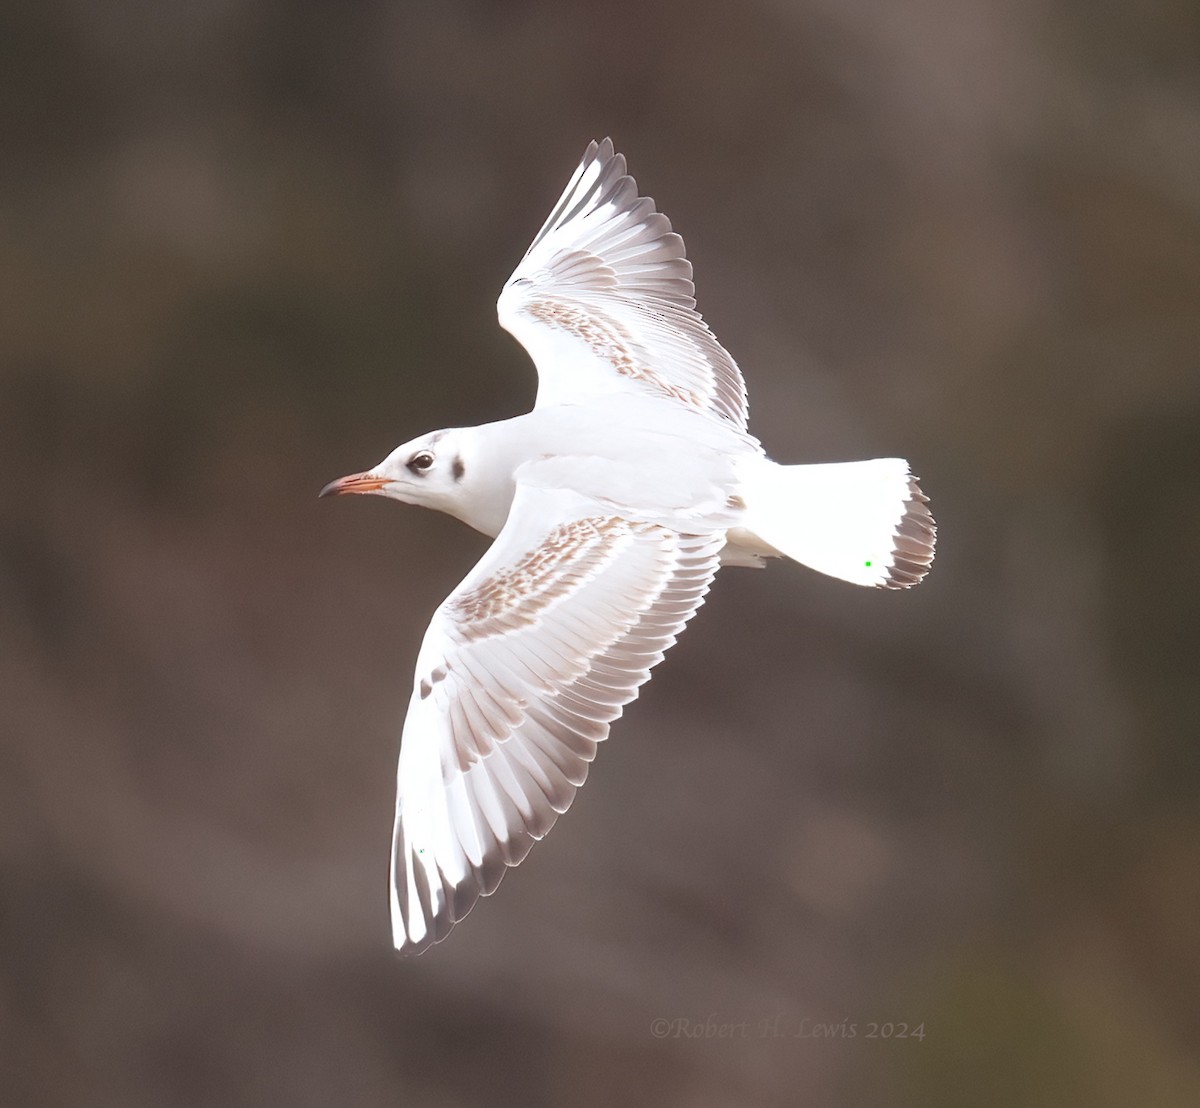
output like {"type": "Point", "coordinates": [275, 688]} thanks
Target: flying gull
{"type": "Point", "coordinates": [612, 504]}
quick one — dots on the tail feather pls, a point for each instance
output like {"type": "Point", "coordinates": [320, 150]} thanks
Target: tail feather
{"type": "Point", "coordinates": [862, 522]}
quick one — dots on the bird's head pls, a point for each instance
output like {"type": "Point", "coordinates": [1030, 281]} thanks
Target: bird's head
{"type": "Point", "coordinates": [426, 471]}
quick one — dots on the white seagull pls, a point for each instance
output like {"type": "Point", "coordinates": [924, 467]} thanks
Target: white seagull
{"type": "Point", "coordinates": [612, 504]}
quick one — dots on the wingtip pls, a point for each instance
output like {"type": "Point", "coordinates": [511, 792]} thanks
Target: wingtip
{"type": "Point", "coordinates": [600, 150]}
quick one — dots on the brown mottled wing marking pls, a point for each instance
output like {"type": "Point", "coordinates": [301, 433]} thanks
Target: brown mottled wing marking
{"type": "Point", "coordinates": [515, 595]}
{"type": "Point", "coordinates": [603, 301]}
{"type": "Point", "coordinates": [522, 670]}
{"type": "Point", "coordinates": [610, 342]}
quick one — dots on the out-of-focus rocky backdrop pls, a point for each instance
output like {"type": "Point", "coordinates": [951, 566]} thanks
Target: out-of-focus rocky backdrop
{"type": "Point", "coordinates": [247, 246]}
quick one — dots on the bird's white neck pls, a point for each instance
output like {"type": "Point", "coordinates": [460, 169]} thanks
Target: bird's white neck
{"type": "Point", "coordinates": [484, 493]}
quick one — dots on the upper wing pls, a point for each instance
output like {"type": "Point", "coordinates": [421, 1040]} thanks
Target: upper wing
{"type": "Point", "coordinates": [603, 301]}
{"type": "Point", "coordinates": [521, 671]}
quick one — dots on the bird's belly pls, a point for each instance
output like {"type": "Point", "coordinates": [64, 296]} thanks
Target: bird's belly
{"type": "Point", "coordinates": [643, 459]}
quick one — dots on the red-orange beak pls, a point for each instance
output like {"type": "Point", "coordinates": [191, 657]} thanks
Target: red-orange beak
{"type": "Point", "coordinates": [356, 482]}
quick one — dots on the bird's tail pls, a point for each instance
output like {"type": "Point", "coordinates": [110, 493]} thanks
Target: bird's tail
{"type": "Point", "coordinates": [863, 522]}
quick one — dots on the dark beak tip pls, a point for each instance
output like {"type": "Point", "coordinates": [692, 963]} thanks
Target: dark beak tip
{"type": "Point", "coordinates": [328, 490]}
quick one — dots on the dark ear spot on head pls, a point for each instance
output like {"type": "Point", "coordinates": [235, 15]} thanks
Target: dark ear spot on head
{"type": "Point", "coordinates": [458, 468]}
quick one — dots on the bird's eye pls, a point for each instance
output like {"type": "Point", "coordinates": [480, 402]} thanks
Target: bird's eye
{"type": "Point", "coordinates": [420, 461]}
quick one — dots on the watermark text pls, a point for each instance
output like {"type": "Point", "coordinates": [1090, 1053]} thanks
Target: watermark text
{"type": "Point", "coordinates": [713, 1027]}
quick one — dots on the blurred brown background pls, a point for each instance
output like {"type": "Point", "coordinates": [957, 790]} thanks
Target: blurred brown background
{"type": "Point", "coordinates": [247, 246]}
